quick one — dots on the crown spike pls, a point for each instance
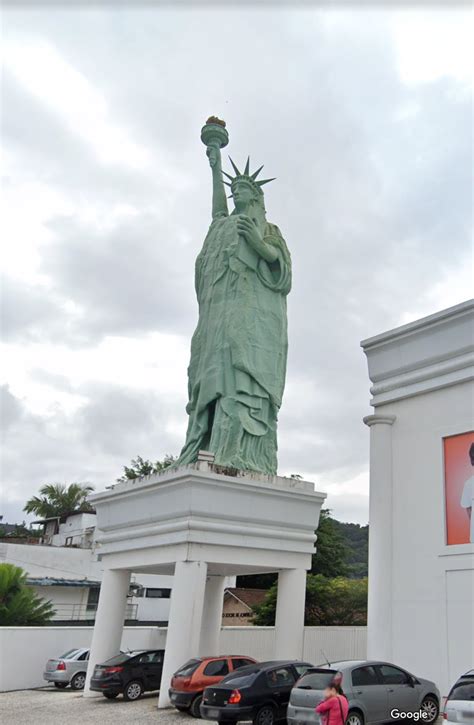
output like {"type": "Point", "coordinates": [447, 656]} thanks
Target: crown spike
{"type": "Point", "coordinates": [265, 181]}
{"type": "Point", "coordinates": [235, 167]}
{"type": "Point", "coordinates": [228, 175]}
{"type": "Point", "coordinates": [247, 166]}
{"type": "Point", "coordinates": [227, 183]}
{"type": "Point", "coordinates": [256, 173]}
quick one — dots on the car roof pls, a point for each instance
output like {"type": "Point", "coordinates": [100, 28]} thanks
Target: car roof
{"type": "Point", "coordinates": [270, 664]}
{"type": "Point", "coordinates": [219, 657]}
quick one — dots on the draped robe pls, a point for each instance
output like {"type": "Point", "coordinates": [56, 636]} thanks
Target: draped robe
{"type": "Point", "coordinates": [236, 375]}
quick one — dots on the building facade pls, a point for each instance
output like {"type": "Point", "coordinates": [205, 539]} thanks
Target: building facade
{"type": "Point", "coordinates": [421, 550]}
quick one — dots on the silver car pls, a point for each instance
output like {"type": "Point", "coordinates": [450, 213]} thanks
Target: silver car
{"type": "Point", "coordinates": [377, 692]}
{"type": "Point", "coordinates": [68, 669]}
{"type": "Point", "coordinates": [459, 706]}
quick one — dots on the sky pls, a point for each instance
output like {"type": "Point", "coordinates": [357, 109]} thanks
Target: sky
{"type": "Point", "coordinates": [365, 118]}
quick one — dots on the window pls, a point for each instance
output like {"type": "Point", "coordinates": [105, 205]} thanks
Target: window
{"type": "Point", "coordinates": [462, 691]}
{"type": "Point", "coordinates": [188, 669]}
{"type": "Point", "coordinates": [301, 669]}
{"type": "Point", "coordinates": [93, 598]}
{"type": "Point", "coordinates": [84, 656]}
{"type": "Point", "coordinates": [216, 668]}
{"type": "Point", "coordinates": [69, 654]}
{"type": "Point", "coordinates": [236, 663]}
{"type": "Point", "coordinates": [363, 676]}
{"type": "Point", "coordinates": [145, 657]}
{"type": "Point", "coordinates": [68, 540]}
{"type": "Point", "coordinates": [158, 593]}
{"type": "Point", "coordinates": [315, 680]}
{"type": "Point", "coordinates": [157, 657]}
{"type": "Point", "coordinates": [393, 676]}
{"type": "Point", "coordinates": [282, 677]}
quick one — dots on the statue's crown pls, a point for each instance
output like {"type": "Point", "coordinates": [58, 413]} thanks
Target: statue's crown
{"type": "Point", "coordinates": [246, 176]}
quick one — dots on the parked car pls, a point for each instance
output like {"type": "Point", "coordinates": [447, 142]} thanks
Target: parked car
{"type": "Point", "coordinates": [129, 673]}
{"type": "Point", "coordinates": [68, 669]}
{"type": "Point", "coordinates": [257, 692]}
{"type": "Point", "coordinates": [189, 682]}
{"type": "Point", "coordinates": [373, 689]}
{"type": "Point", "coordinates": [459, 705]}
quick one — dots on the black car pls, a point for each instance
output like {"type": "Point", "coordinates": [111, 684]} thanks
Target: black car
{"type": "Point", "coordinates": [130, 673]}
{"type": "Point", "coordinates": [257, 692]}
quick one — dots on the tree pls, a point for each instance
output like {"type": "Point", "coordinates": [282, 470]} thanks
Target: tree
{"type": "Point", "coordinates": [19, 605]}
{"type": "Point", "coordinates": [140, 467]}
{"type": "Point", "coordinates": [329, 602]}
{"type": "Point", "coordinates": [56, 500]}
{"type": "Point", "coordinates": [331, 551]}
{"type": "Point", "coordinates": [356, 538]}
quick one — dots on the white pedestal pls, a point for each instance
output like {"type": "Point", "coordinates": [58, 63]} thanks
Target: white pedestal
{"type": "Point", "coordinates": [202, 524]}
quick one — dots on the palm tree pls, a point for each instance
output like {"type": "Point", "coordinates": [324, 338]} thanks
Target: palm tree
{"type": "Point", "coordinates": [57, 500]}
{"type": "Point", "coordinates": [19, 605]}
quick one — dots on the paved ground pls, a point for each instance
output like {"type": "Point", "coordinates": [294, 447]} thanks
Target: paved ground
{"type": "Point", "coordinates": [49, 706]}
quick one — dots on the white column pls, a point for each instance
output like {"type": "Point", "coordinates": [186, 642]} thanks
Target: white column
{"type": "Point", "coordinates": [289, 620]}
{"type": "Point", "coordinates": [212, 615]}
{"type": "Point", "coordinates": [379, 617]}
{"type": "Point", "coordinates": [108, 627]}
{"type": "Point", "coordinates": [185, 619]}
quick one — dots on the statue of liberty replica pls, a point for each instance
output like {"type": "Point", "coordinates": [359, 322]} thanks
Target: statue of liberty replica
{"type": "Point", "coordinates": [236, 376]}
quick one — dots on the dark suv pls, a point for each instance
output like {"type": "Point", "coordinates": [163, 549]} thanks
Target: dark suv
{"type": "Point", "coordinates": [257, 692]}
{"type": "Point", "coordinates": [130, 673]}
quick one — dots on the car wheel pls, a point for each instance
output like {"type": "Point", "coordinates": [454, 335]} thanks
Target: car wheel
{"type": "Point", "coordinates": [355, 717]}
{"type": "Point", "coordinates": [194, 710]}
{"type": "Point", "coordinates": [264, 716]}
{"type": "Point", "coordinates": [181, 708]}
{"type": "Point", "coordinates": [110, 695]}
{"type": "Point", "coordinates": [60, 685]}
{"type": "Point", "coordinates": [133, 690]}
{"type": "Point", "coordinates": [78, 681]}
{"type": "Point", "coordinates": [430, 705]}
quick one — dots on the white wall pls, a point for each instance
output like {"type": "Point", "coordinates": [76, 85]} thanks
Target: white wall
{"type": "Point", "coordinates": [421, 375]}
{"type": "Point", "coordinates": [26, 649]}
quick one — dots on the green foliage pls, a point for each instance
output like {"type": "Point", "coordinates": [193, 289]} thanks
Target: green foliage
{"type": "Point", "coordinates": [331, 551]}
{"type": "Point", "coordinates": [329, 602]}
{"type": "Point", "coordinates": [140, 467]}
{"type": "Point", "coordinates": [56, 499]}
{"type": "Point", "coordinates": [356, 539]}
{"type": "Point", "coordinates": [19, 605]}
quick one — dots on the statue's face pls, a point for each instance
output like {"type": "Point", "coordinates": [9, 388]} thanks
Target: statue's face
{"type": "Point", "coordinates": [242, 193]}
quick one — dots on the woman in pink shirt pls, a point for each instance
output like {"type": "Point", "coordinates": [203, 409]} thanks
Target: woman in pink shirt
{"type": "Point", "coordinates": [334, 708]}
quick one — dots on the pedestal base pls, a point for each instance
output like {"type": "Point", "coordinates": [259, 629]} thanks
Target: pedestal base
{"type": "Point", "coordinates": [202, 524]}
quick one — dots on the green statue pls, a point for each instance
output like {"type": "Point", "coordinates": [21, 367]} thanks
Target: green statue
{"type": "Point", "coordinates": [236, 376]}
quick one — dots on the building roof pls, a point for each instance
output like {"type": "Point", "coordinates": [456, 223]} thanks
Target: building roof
{"type": "Point", "coordinates": [62, 517]}
{"type": "Point", "coordinates": [249, 597]}
{"type": "Point", "coordinates": [49, 581]}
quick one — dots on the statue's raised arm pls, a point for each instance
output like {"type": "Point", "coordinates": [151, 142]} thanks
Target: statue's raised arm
{"type": "Point", "coordinates": [214, 135]}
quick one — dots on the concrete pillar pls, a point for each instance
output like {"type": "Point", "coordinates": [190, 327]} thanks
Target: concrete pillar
{"type": "Point", "coordinates": [289, 620]}
{"type": "Point", "coordinates": [212, 615]}
{"type": "Point", "coordinates": [108, 628]}
{"type": "Point", "coordinates": [185, 620]}
{"type": "Point", "coordinates": [379, 616]}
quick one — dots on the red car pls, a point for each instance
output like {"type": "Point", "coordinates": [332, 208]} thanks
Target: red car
{"type": "Point", "coordinates": [190, 681]}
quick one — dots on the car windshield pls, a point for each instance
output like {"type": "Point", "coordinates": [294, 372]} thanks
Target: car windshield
{"type": "Point", "coordinates": [237, 681]}
{"type": "Point", "coordinates": [243, 672]}
{"type": "Point", "coordinates": [462, 691]}
{"type": "Point", "coordinates": [119, 659]}
{"type": "Point", "coordinates": [315, 680]}
{"type": "Point", "coordinates": [67, 655]}
{"type": "Point", "coordinates": [187, 669]}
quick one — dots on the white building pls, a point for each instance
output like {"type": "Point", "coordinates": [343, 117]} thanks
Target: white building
{"type": "Point", "coordinates": [421, 551]}
{"type": "Point", "coordinates": [64, 569]}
